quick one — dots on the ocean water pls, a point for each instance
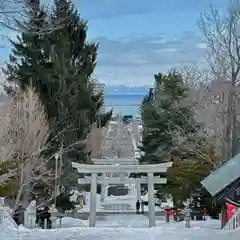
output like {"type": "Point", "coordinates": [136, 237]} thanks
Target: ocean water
{"type": "Point", "coordinates": [125, 104]}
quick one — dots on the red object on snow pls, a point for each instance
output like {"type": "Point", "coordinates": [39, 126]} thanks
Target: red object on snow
{"type": "Point", "coordinates": [175, 215]}
{"type": "Point", "coordinates": [171, 214]}
{"type": "Point", "coordinates": [167, 215]}
{"type": "Point", "coordinates": [204, 213]}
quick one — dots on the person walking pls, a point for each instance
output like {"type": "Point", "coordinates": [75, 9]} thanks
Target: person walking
{"type": "Point", "coordinates": [142, 206]}
{"type": "Point", "coordinates": [137, 206]}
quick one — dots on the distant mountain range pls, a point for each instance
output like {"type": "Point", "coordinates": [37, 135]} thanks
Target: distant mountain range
{"type": "Point", "coordinates": [122, 89]}
{"type": "Point", "coordinates": [116, 89]}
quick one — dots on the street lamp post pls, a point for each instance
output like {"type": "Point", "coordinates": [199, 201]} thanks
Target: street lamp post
{"type": "Point", "coordinates": [56, 156]}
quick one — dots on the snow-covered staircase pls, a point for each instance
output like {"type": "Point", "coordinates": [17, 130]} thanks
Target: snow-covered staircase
{"type": "Point", "coordinates": [234, 222]}
{"type": "Point", "coordinates": [119, 207]}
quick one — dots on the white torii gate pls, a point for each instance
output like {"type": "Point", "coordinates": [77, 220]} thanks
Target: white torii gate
{"type": "Point", "coordinates": [116, 180]}
{"type": "Point", "coordinates": [149, 169]}
{"type": "Point", "coordinates": [111, 161]}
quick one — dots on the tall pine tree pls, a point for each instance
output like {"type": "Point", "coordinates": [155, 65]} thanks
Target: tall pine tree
{"type": "Point", "coordinates": [27, 62]}
{"type": "Point", "coordinates": [164, 116]}
{"type": "Point", "coordinates": [59, 65]}
{"type": "Point", "coordinates": [172, 134]}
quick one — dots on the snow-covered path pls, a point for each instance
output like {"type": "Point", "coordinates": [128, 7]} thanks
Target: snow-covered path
{"type": "Point", "coordinates": [122, 234]}
{"type": "Point", "coordinates": [135, 229]}
{"type": "Point", "coordinates": [135, 221]}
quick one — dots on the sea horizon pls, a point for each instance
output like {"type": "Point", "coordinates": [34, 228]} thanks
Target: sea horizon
{"type": "Point", "coordinates": [124, 103]}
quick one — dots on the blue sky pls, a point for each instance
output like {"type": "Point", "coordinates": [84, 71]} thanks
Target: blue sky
{"type": "Point", "coordinates": [141, 37]}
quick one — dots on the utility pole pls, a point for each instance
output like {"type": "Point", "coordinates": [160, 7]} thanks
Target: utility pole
{"type": "Point", "coordinates": [60, 165]}
{"type": "Point", "coordinates": [56, 156]}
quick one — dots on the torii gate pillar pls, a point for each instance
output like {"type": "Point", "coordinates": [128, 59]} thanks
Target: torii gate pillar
{"type": "Point", "coordinates": [93, 201]}
{"type": "Point", "coordinates": [138, 188]}
{"type": "Point", "coordinates": [151, 204]}
{"type": "Point", "coordinates": [103, 186]}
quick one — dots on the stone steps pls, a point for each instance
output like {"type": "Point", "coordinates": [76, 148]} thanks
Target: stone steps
{"type": "Point", "coordinates": [117, 207]}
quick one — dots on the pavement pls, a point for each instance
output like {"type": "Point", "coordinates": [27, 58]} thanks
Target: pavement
{"type": "Point", "coordinates": [121, 139]}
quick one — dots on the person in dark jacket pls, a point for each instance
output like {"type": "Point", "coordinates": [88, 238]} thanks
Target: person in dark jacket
{"type": "Point", "coordinates": [19, 215]}
{"type": "Point", "coordinates": [137, 206]}
{"type": "Point", "coordinates": [44, 214]}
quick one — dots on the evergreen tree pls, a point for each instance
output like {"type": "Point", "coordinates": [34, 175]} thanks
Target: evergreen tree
{"type": "Point", "coordinates": [27, 62]}
{"type": "Point", "coordinates": [193, 159]}
{"type": "Point", "coordinates": [164, 116]}
{"type": "Point", "coordinates": [59, 65]}
{"type": "Point", "coordinates": [8, 184]}
{"type": "Point", "coordinates": [75, 61]}
{"type": "Point", "coordinates": [172, 134]}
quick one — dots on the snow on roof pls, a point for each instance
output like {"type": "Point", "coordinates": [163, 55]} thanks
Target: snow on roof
{"type": "Point", "coordinates": [223, 176]}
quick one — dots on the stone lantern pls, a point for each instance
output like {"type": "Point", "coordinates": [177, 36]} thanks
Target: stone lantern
{"type": "Point", "coordinates": [30, 215]}
{"type": "Point", "coordinates": [187, 213]}
{"type": "Point", "coordinates": [54, 212]}
{"type": "Point", "coordinates": [32, 218]}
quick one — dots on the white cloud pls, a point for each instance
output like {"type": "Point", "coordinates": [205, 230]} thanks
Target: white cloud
{"type": "Point", "coordinates": [130, 59]}
{"type": "Point", "coordinates": [134, 61]}
{"type": "Point", "coordinates": [166, 50]}
{"type": "Point", "coordinates": [201, 45]}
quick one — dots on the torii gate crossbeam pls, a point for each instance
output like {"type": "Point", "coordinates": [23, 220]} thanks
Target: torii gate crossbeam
{"type": "Point", "coordinates": [149, 169]}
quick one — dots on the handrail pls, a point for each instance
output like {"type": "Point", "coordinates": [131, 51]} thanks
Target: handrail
{"type": "Point", "coordinates": [234, 222]}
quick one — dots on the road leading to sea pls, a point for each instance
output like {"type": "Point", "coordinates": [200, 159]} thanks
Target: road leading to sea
{"type": "Point", "coordinates": [121, 139]}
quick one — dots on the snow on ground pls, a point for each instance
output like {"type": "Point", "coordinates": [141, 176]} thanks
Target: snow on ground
{"type": "Point", "coordinates": [136, 221]}
{"type": "Point", "coordinates": [68, 222]}
{"type": "Point", "coordinates": [208, 230]}
{"type": "Point", "coordinates": [7, 222]}
{"type": "Point", "coordinates": [119, 227]}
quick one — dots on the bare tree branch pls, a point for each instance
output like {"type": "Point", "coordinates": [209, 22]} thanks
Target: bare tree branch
{"type": "Point", "coordinates": [222, 38]}
{"type": "Point", "coordinates": [13, 13]}
{"type": "Point", "coordinates": [24, 136]}
{"type": "Point", "coordinates": [194, 77]}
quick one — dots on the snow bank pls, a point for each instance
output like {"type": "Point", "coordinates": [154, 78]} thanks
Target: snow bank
{"type": "Point", "coordinates": [164, 233]}
{"type": "Point", "coordinates": [134, 228]}
{"type": "Point", "coordinates": [7, 226]}
{"type": "Point", "coordinates": [8, 222]}
{"type": "Point", "coordinates": [68, 222]}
